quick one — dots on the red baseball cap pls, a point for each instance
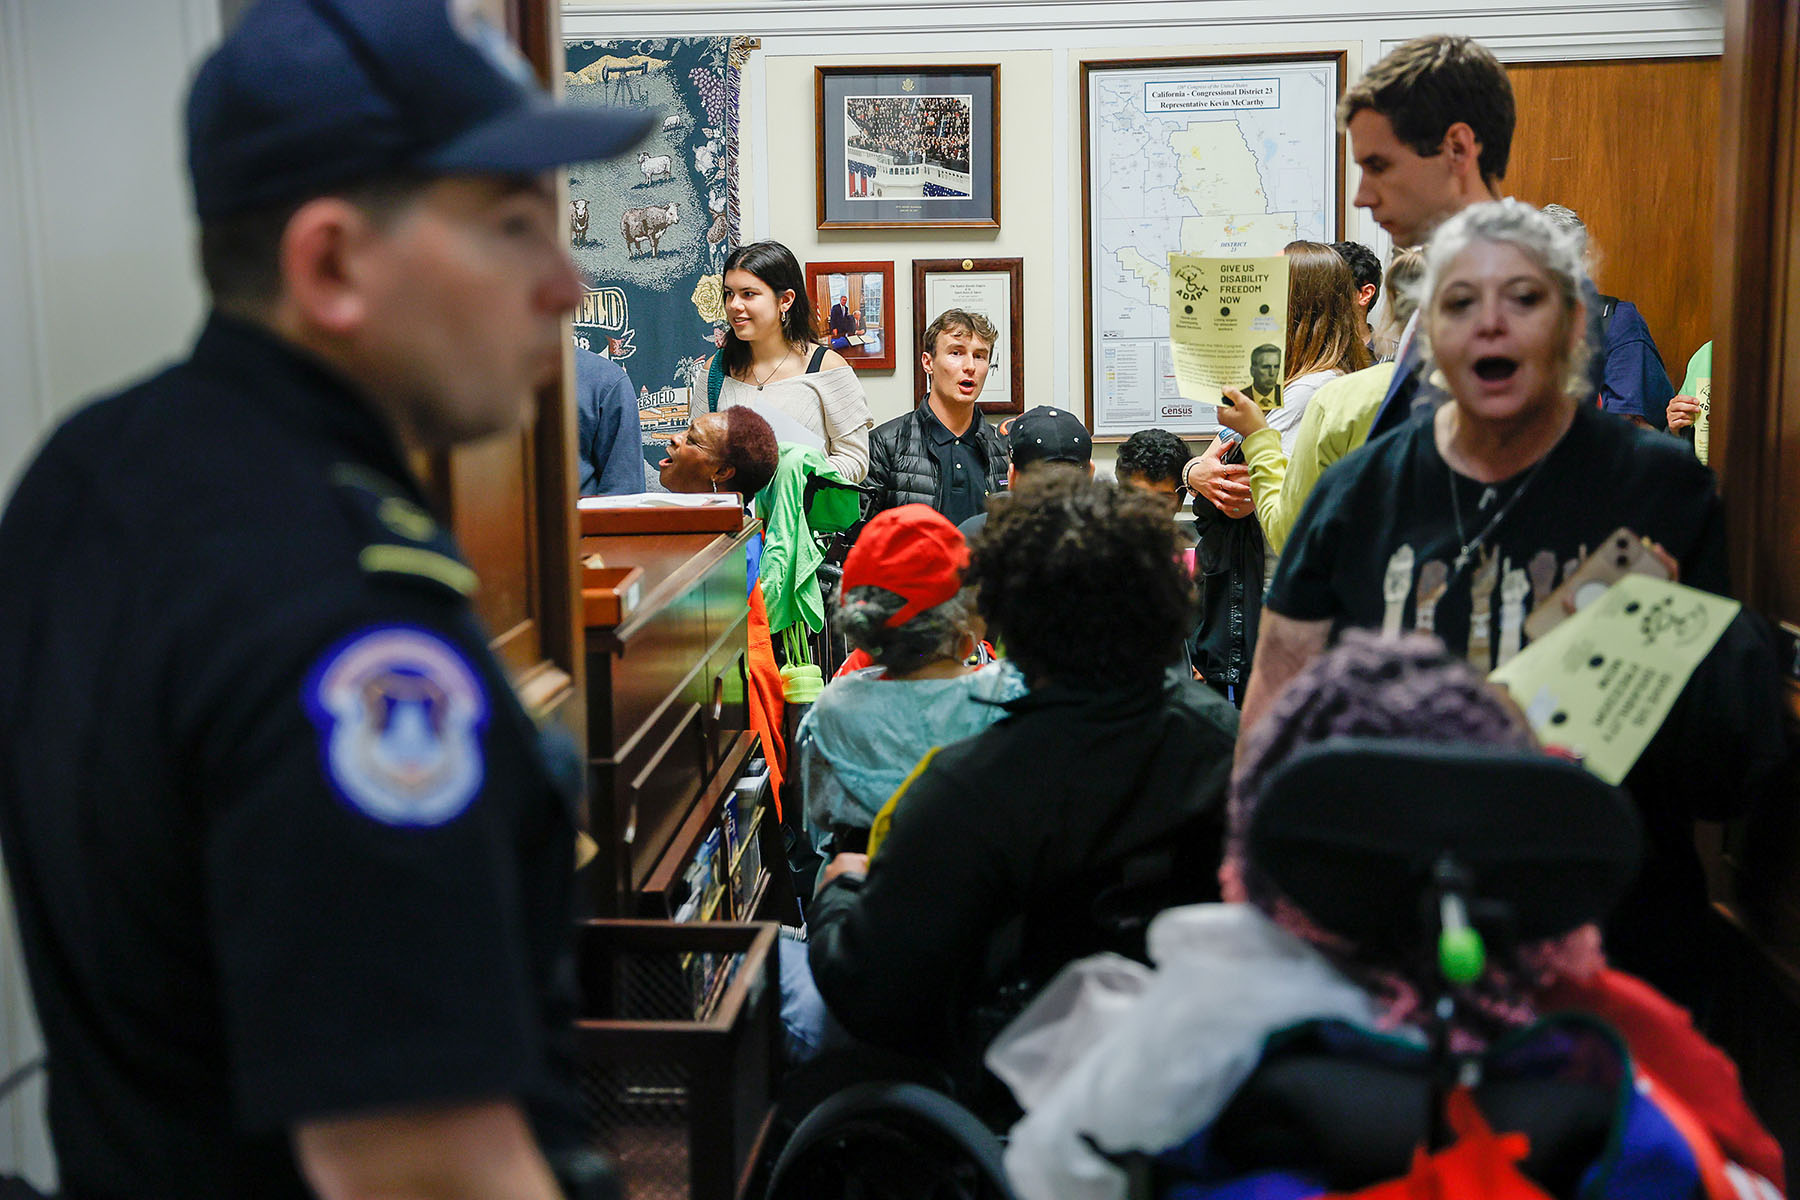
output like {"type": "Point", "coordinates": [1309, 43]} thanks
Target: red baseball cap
{"type": "Point", "coordinates": [913, 551]}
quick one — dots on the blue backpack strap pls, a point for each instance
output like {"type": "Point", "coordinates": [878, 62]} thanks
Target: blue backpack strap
{"type": "Point", "coordinates": [818, 358]}
{"type": "Point", "coordinates": [715, 381]}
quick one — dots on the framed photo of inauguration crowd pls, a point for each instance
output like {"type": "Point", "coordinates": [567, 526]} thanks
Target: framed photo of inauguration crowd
{"type": "Point", "coordinates": [853, 304]}
{"type": "Point", "coordinates": [908, 148]}
{"type": "Point", "coordinates": [992, 287]}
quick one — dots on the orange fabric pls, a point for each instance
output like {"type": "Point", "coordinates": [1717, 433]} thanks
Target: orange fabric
{"type": "Point", "coordinates": [1479, 1165]}
{"type": "Point", "coordinates": [766, 705]}
{"type": "Point", "coordinates": [1667, 1048]}
{"type": "Point", "coordinates": [1708, 1160]}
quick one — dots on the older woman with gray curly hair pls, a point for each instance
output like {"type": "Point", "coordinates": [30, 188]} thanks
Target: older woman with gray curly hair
{"type": "Point", "coordinates": [903, 604]}
{"type": "Point", "coordinates": [1462, 522]}
{"type": "Point", "coordinates": [1465, 520]}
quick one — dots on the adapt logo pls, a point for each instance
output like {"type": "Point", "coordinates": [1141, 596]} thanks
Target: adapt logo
{"type": "Point", "coordinates": [1189, 286]}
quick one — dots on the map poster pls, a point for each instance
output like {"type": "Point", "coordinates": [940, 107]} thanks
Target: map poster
{"type": "Point", "coordinates": [1224, 314]}
{"type": "Point", "coordinates": [1223, 158]}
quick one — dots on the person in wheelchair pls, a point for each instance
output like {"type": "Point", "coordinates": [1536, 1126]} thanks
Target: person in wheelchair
{"type": "Point", "coordinates": [1096, 801]}
{"type": "Point", "coordinates": [1294, 1039]}
{"type": "Point", "coordinates": [901, 602]}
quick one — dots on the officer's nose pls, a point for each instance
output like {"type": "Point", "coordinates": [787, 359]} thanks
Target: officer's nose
{"type": "Point", "coordinates": [562, 289]}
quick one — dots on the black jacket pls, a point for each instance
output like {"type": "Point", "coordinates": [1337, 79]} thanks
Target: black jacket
{"type": "Point", "coordinates": [902, 470]}
{"type": "Point", "coordinates": [1228, 567]}
{"type": "Point", "coordinates": [1054, 833]}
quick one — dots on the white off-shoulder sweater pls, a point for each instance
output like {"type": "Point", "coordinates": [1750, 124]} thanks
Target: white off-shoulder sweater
{"type": "Point", "coordinates": [830, 403]}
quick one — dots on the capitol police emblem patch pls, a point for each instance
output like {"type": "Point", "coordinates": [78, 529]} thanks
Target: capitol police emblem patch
{"type": "Point", "coordinates": [400, 712]}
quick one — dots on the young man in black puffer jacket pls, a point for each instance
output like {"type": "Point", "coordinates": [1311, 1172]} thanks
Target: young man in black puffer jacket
{"type": "Point", "coordinates": [942, 453]}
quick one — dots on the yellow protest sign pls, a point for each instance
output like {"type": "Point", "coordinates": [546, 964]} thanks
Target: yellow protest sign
{"type": "Point", "coordinates": [1602, 682]}
{"type": "Point", "coordinates": [1227, 319]}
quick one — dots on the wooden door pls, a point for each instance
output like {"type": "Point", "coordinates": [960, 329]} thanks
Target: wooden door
{"type": "Point", "coordinates": [1756, 439]}
{"type": "Point", "coordinates": [1633, 147]}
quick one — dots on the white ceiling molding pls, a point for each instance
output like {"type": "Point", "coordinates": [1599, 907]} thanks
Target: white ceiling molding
{"type": "Point", "coordinates": [1637, 28]}
{"type": "Point", "coordinates": [1598, 44]}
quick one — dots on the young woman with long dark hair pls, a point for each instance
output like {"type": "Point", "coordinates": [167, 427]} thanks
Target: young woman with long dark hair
{"type": "Point", "coordinates": [771, 357]}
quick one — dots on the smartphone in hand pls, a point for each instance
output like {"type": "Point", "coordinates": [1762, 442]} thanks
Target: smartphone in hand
{"type": "Point", "coordinates": [1622, 553]}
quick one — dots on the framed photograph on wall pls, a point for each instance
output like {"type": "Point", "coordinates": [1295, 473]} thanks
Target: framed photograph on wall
{"type": "Point", "coordinates": [1220, 156]}
{"type": "Point", "coordinates": [908, 148]}
{"type": "Point", "coordinates": [992, 287]}
{"type": "Point", "coordinates": [853, 305]}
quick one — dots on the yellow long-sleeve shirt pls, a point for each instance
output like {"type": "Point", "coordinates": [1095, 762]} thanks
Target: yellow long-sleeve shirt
{"type": "Point", "coordinates": [1335, 422]}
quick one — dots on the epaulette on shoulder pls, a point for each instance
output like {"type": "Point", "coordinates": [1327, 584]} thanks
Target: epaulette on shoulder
{"type": "Point", "coordinates": [401, 541]}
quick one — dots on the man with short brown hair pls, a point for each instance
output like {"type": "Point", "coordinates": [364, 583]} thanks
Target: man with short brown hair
{"type": "Point", "coordinates": [1431, 127]}
{"type": "Point", "coordinates": [942, 453]}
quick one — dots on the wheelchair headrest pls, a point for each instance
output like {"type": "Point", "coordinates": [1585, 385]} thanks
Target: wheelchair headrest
{"type": "Point", "coordinates": [1350, 830]}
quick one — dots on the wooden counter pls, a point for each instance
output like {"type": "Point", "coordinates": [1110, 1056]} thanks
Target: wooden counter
{"type": "Point", "coordinates": [668, 728]}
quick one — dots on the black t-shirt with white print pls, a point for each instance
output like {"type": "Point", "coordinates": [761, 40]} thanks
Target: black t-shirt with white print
{"type": "Point", "coordinates": [1377, 544]}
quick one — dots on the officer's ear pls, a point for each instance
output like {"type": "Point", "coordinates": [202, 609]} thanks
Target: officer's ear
{"type": "Point", "coordinates": [321, 252]}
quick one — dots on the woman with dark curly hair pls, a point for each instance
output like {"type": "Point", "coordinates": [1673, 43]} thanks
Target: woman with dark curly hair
{"type": "Point", "coordinates": [1081, 584]}
{"type": "Point", "coordinates": [1057, 831]}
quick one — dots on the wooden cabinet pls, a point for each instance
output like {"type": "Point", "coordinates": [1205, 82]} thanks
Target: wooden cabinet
{"type": "Point", "coordinates": [668, 720]}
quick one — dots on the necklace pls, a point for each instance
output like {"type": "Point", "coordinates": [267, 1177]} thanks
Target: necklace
{"type": "Point", "coordinates": [1470, 545]}
{"type": "Point", "coordinates": [760, 382]}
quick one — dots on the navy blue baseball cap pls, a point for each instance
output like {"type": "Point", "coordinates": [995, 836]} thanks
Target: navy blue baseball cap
{"type": "Point", "coordinates": [304, 96]}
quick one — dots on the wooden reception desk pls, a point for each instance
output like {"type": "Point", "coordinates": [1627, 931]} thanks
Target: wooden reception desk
{"type": "Point", "coordinates": [668, 728]}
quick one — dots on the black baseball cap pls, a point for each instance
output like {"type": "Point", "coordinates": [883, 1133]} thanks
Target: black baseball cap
{"type": "Point", "coordinates": [304, 96]}
{"type": "Point", "coordinates": [1048, 434]}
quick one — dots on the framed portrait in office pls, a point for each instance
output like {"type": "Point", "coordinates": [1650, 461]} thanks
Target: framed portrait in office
{"type": "Point", "coordinates": [901, 148]}
{"type": "Point", "coordinates": [992, 287]}
{"type": "Point", "coordinates": [853, 306]}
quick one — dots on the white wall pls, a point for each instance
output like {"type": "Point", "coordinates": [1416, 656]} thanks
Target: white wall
{"type": "Point", "coordinates": [96, 283]}
{"type": "Point", "coordinates": [1040, 47]}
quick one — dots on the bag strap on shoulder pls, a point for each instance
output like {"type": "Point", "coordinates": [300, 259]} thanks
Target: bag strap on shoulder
{"type": "Point", "coordinates": [715, 381]}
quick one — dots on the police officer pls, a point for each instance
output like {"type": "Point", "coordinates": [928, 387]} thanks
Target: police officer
{"type": "Point", "coordinates": [292, 876]}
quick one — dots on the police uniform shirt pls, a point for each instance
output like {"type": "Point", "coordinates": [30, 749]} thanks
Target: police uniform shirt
{"type": "Point", "coordinates": [961, 468]}
{"type": "Point", "coordinates": [282, 842]}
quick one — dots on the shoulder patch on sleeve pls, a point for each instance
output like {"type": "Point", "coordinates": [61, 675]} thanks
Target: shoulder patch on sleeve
{"type": "Point", "coordinates": [399, 712]}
